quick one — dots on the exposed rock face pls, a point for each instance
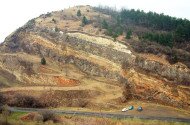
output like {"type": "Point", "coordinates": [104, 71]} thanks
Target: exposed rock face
{"type": "Point", "coordinates": [95, 56]}
{"type": "Point", "coordinates": [7, 78]}
{"type": "Point", "coordinates": [171, 73]}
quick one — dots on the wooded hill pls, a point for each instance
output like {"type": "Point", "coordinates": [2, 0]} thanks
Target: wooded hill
{"type": "Point", "coordinates": [163, 29]}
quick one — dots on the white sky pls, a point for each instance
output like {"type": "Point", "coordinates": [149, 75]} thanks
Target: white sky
{"type": "Point", "coordinates": [15, 13]}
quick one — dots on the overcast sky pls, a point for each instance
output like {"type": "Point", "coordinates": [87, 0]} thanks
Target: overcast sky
{"type": "Point", "coordinates": [15, 13]}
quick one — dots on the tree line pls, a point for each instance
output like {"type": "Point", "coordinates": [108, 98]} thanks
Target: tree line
{"type": "Point", "coordinates": [180, 28]}
{"type": "Point", "coordinates": [166, 29]}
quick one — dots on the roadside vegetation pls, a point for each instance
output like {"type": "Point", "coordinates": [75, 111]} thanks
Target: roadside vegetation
{"type": "Point", "coordinates": [52, 119]}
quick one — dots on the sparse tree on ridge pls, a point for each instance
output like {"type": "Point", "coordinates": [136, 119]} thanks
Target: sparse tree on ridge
{"type": "Point", "coordinates": [43, 61]}
{"type": "Point", "coordinates": [84, 20]}
{"type": "Point", "coordinates": [129, 33]}
{"type": "Point", "coordinates": [104, 24]}
{"type": "Point", "coordinates": [79, 13]}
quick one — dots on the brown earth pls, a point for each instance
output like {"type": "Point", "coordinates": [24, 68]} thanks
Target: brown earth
{"type": "Point", "coordinates": [61, 81]}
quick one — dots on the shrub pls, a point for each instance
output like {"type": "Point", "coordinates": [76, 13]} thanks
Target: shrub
{"type": "Point", "coordinates": [104, 24]}
{"type": "Point", "coordinates": [126, 65]}
{"type": "Point", "coordinates": [54, 20]}
{"type": "Point", "coordinates": [78, 13]}
{"type": "Point", "coordinates": [84, 21]}
{"type": "Point", "coordinates": [129, 33]}
{"type": "Point", "coordinates": [114, 36]}
{"type": "Point", "coordinates": [26, 101]}
{"type": "Point", "coordinates": [123, 81]}
{"type": "Point", "coordinates": [2, 100]}
{"type": "Point", "coordinates": [56, 29]}
{"type": "Point", "coordinates": [109, 31]}
{"type": "Point", "coordinates": [49, 116]}
{"type": "Point", "coordinates": [43, 61]}
{"type": "Point", "coordinates": [173, 59]}
{"type": "Point", "coordinates": [38, 117]}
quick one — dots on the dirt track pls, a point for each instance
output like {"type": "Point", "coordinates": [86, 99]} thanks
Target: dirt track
{"type": "Point", "coordinates": [39, 88]}
{"type": "Point", "coordinates": [108, 92]}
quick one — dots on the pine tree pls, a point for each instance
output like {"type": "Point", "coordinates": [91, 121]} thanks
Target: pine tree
{"type": "Point", "coordinates": [104, 24]}
{"type": "Point", "coordinates": [129, 33]}
{"type": "Point", "coordinates": [43, 61]}
{"type": "Point", "coordinates": [84, 21]}
{"type": "Point", "coordinates": [78, 13]}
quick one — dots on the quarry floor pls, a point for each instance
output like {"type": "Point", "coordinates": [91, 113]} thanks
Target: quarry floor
{"type": "Point", "coordinates": [105, 94]}
{"type": "Point", "coordinates": [107, 101]}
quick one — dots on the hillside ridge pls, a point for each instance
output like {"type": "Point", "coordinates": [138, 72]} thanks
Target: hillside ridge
{"type": "Point", "coordinates": [75, 51]}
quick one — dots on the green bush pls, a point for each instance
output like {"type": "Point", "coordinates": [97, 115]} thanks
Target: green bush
{"type": "Point", "coordinates": [84, 20]}
{"type": "Point", "coordinates": [78, 13]}
{"type": "Point", "coordinates": [129, 33]}
{"type": "Point", "coordinates": [104, 24]}
{"type": "Point", "coordinates": [43, 61]}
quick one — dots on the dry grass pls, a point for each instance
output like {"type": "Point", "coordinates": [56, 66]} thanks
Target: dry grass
{"type": "Point", "coordinates": [68, 20]}
{"type": "Point", "coordinates": [156, 58]}
{"type": "Point", "coordinates": [14, 119]}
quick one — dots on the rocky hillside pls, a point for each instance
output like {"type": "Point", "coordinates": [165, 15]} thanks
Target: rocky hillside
{"type": "Point", "coordinates": [65, 42]}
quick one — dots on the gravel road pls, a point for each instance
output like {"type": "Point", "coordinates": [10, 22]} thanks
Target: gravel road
{"type": "Point", "coordinates": [98, 114]}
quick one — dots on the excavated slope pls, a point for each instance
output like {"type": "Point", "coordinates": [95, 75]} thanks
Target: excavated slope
{"type": "Point", "coordinates": [60, 38]}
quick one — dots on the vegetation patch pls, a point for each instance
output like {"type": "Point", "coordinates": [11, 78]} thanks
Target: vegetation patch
{"type": "Point", "coordinates": [51, 98]}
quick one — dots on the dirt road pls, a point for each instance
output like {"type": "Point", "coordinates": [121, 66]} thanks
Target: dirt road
{"type": "Point", "coordinates": [118, 115]}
